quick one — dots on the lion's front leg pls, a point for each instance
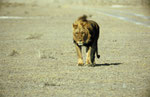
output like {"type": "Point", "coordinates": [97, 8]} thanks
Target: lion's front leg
{"type": "Point", "coordinates": [79, 54]}
{"type": "Point", "coordinates": [88, 57]}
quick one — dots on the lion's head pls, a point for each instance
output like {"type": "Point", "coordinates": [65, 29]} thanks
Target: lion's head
{"type": "Point", "coordinates": [79, 34]}
{"type": "Point", "coordinates": [80, 31]}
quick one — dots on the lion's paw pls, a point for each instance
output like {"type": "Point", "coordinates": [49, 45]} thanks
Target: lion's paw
{"type": "Point", "coordinates": [80, 64]}
{"type": "Point", "coordinates": [90, 65]}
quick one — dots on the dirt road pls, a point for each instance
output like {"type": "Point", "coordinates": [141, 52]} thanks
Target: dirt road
{"type": "Point", "coordinates": [38, 57]}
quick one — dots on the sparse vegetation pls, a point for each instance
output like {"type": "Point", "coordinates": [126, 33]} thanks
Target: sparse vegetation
{"type": "Point", "coordinates": [34, 36]}
{"type": "Point", "coordinates": [13, 53]}
{"type": "Point", "coordinates": [38, 58]}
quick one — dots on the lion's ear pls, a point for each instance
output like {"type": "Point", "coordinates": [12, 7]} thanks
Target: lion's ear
{"type": "Point", "coordinates": [75, 26]}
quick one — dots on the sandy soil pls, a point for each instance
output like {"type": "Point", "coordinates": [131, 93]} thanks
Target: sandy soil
{"type": "Point", "coordinates": [38, 58]}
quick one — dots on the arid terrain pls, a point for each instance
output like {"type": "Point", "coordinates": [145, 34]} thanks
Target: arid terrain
{"type": "Point", "coordinates": [38, 57]}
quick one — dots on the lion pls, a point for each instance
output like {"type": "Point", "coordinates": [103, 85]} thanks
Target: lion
{"type": "Point", "coordinates": [86, 33]}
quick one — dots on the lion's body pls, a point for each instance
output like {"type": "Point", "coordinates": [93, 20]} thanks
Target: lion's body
{"type": "Point", "coordinates": [86, 33]}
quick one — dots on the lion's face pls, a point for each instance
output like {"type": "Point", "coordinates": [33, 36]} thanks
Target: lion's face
{"type": "Point", "coordinates": [80, 36]}
{"type": "Point", "coordinates": [80, 33]}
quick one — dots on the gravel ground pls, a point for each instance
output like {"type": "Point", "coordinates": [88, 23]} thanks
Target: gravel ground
{"type": "Point", "coordinates": [38, 57]}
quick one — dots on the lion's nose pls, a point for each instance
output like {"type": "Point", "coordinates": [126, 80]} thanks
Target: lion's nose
{"type": "Point", "coordinates": [80, 39]}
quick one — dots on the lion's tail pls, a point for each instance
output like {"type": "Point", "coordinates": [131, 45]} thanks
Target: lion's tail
{"type": "Point", "coordinates": [98, 56]}
{"type": "Point", "coordinates": [83, 18]}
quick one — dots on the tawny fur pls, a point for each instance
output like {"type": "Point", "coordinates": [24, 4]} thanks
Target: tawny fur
{"type": "Point", "coordinates": [86, 33]}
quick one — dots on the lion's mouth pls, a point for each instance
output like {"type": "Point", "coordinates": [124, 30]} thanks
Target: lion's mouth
{"type": "Point", "coordinates": [80, 43]}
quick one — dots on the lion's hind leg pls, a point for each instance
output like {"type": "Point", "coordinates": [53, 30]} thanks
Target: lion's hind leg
{"type": "Point", "coordinates": [92, 54]}
{"type": "Point", "coordinates": [90, 59]}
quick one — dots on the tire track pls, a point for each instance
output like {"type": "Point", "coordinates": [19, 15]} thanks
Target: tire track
{"type": "Point", "coordinates": [120, 17]}
{"type": "Point", "coordinates": [137, 22]}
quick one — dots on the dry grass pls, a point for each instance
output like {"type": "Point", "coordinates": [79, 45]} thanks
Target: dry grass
{"type": "Point", "coordinates": [46, 54]}
{"type": "Point", "coordinates": [34, 36]}
{"type": "Point", "coordinates": [13, 53]}
{"type": "Point", "coordinates": [7, 4]}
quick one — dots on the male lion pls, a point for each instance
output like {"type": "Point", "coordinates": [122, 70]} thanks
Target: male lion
{"type": "Point", "coordinates": [86, 33]}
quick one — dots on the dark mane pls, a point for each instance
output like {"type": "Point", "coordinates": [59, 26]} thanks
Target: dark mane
{"type": "Point", "coordinates": [83, 18]}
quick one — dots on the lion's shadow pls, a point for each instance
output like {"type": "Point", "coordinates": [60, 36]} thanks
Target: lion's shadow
{"type": "Point", "coordinates": [107, 64]}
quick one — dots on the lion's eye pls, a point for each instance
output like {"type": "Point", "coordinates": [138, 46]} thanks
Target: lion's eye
{"type": "Point", "coordinates": [82, 33]}
{"type": "Point", "coordinates": [76, 33]}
